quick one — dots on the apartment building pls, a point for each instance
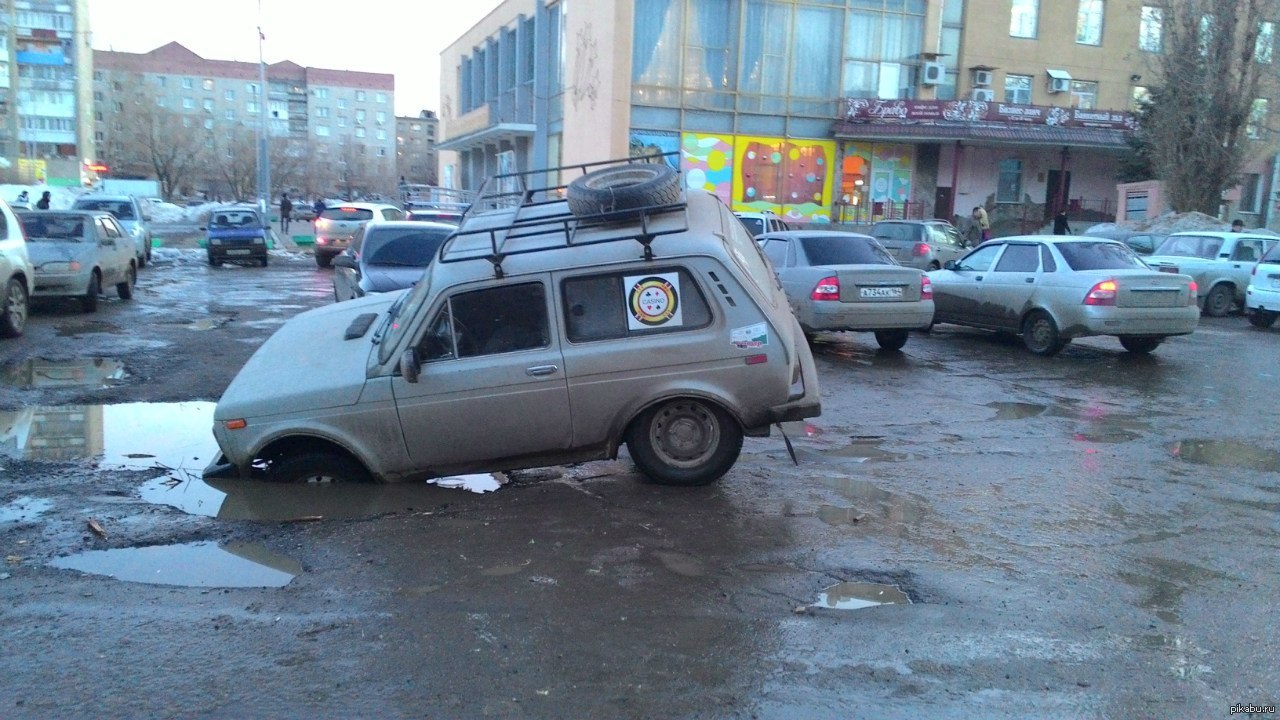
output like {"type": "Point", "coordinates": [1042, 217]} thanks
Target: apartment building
{"type": "Point", "coordinates": [416, 137]}
{"type": "Point", "coordinates": [45, 66]}
{"type": "Point", "coordinates": [839, 111]}
{"type": "Point", "coordinates": [335, 128]}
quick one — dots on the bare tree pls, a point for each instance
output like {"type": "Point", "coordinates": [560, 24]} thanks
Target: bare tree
{"type": "Point", "coordinates": [1201, 125]}
{"type": "Point", "coordinates": [144, 139]}
{"type": "Point", "coordinates": [236, 161]}
{"type": "Point", "coordinates": [289, 162]}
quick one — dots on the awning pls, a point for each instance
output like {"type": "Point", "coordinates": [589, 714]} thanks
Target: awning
{"type": "Point", "coordinates": [491, 135]}
{"type": "Point", "coordinates": [1058, 74]}
{"type": "Point", "coordinates": [988, 133]}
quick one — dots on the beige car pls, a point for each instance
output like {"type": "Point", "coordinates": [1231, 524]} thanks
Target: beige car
{"type": "Point", "coordinates": [1053, 288]}
{"type": "Point", "coordinates": [543, 334]}
{"type": "Point", "coordinates": [337, 224]}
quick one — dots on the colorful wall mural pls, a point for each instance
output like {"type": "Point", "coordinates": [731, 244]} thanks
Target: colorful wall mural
{"type": "Point", "coordinates": [874, 179]}
{"type": "Point", "coordinates": [707, 162]}
{"type": "Point", "coordinates": [792, 178]}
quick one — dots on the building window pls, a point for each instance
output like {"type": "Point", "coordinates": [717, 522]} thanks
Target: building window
{"type": "Point", "coordinates": [322, 93]}
{"type": "Point", "coordinates": [1266, 41]}
{"type": "Point", "coordinates": [322, 112]}
{"type": "Point", "coordinates": [251, 88]}
{"type": "Point", "coordinates": [159, 101]}
{"type": "Point", "coordinates": [879, 49]}
{"type": "Point", "coordinates": [359, 116]}
{"type": "Point", "coordinates": [208, 105]}
{"type": "Point", "coordinates": [342, 103]}
{"type": "Point", "coordinates": [160, 80]}
{"type": "Point", "coordinates": [188, 83]}
{"type": "Point", "coordinates": [1141, 96]}
{"type": "Point", "coordinates": [322, 131]}
{"type": "Point", "coordinates": [380, 116]}
{"type": "Point", "coordinates": [231, 115]}
{"type": "Point", "coordinates": [207, 83]}
{"type": "Point", "coordinates": [1023, 18]}
{"type": "Point", "coordinates": [382, 134]}
{"type": "Point", "coordinates": [1009, 186]}
{"type": "Point", "coordinates": [208, 124]}
{"type": "Point", "coordinates": [188, 103]}
{"type": "Point", "coordinates": [1089, 22]}
{"type": "Point", "coordinates": [381, 98]}
{"type": "Point", "coordinates": [1249, 184]}
{"type": "Point", "coordinates": [252, 107]}
{"type": "Point", "coordinates": [359, 132]}
{"type": "Point", "coordinates": [1084, 94]}
{"type": "Point", "coordinates": [382, 152]}
{"type": "Point", "coordinates": [342, 121]}
{"type": "Point", "coordinates": [229, 95]}
{"type": "Point", "coordinates": [359, 96]}
{"type": "Point", "coordinates": [1017, 89]}
{"type": "Point", "coordinates": [1256, 126]}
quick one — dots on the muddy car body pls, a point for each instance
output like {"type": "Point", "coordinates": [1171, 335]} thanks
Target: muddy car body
{"type": "Point", "coordinates": [547, 333]}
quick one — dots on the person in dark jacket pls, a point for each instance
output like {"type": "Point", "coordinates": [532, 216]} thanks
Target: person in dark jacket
{"type": "Point", "coordinates": [1060, 226]}
{"type": "Point", "coordinates": [43, 203]}
{"type": "Point", "coordinates": [318, 207]}
{"type": "Point", "coordinates": [286, 211]}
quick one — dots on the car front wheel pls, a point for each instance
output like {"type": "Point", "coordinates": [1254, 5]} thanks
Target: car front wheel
{"type": "Point", "coordinates": [684, 442]}
{"type": "Point", "coordinates": [1219, 300]}
{"type": "Point", "coordinates": [13, 317]}
{"type": "Point", "coordinates": [1040, 334]}
{"type": "Point", "coordinates": [1140, 345]}
{"type": "Point", "coordinates": [317, 468]}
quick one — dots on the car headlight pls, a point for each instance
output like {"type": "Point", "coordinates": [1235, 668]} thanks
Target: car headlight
{"type": "Point", "coordinates": [258, 241]}
{"type": "Point", "coordinates": [215, 241]}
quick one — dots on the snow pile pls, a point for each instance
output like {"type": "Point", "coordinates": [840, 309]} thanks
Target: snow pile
{"type": "Point", "coordinates": [166, 213]}
{"type": "Point", "coordinates": [1170, 222]}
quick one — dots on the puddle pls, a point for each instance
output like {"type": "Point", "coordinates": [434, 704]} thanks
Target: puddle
{"type": "Point", "coordinates": [75, 329]}
{"type": "Point", "coordinates": [1165, 582]}
{"type": "Point", "coordinates": [478, 483]}
{"type": "Point", "coordinates": [231, 499]}
{"type": "Point", "coordinates": [133, 436]}
{"type": "Point", "coordinates": [868, 449]}
{"type": "Point", "coordinates": [799, 428]}
{"type": "Point", "coordinates": [853, 596]}
{"type": "Point", "coordinates": [872, 501]}
{"type": "Point", "coordinates": [1016, 410]}
{"type": "Point", "coordinates": [208, 323]}
{"type": "Point", "coordinates": [1231, 453]}
{"type": "Point", "coordinates": [25, 509]}
{"type": "Point", "coordinates": [200, 564]}
{"type": "Point", "coordinates": [40, 373]}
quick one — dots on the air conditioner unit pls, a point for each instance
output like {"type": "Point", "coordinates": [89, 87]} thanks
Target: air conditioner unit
{"type": "Point", "coordinates": [982, 78]}
{"type": "Point", "coordinates": [1059, 84]}
{"type": "Point", "coordinates": [932, 73]}
{"type": "Point", "coordinates": [982, 94]}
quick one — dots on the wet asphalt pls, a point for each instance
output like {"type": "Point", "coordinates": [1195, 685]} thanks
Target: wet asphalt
{"type": "Point", "coordinates": [971, 531]}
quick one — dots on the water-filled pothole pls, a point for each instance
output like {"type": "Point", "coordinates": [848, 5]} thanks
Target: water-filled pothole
{"type": "Point", "coordinates": [41, 373]}
{"type": "Point", "coordinates": [1227, 453]}
{"type": "Point", "coordinates": [1016, 410]}
{"type": "Point", "coordinates": [856, 595]}
{"type": "Point", "coordinates": [198, 564]}
{"type": "Point", "coordinates": [25, 509]}
{"type": "Point", "coordinates": [129, 435]}
{"type": "Point", "coordinates": [873, 501]}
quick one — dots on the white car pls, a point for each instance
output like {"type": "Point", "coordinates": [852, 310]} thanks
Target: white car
{"type": "Point", "coordinates": [16, 274]}
{"type": "Point", "coordinates": [1219, 262]}
{"type": "Point", "coordinates": [1262, 297]}
{"type": "Point", "coordinates": [78, 253]}
{"type": "Point", "coordinates": [338, 223]}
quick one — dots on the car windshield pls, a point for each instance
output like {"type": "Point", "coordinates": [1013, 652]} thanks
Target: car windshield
{"type": "Point", "coordinates": [54, 227]}
{"type": "Point", "coordinates": [123, 210]}
{"type": "Point", "coordinates": [1200, 246]}
{"type": "Point", "coordinates": [894, 231]}
{"type": "Point", "coordinates": [755, 226]}
{"type": "Point", "coordinates": [1100, 255]}
{"type": "Point", "coordinates": [347, 213]}
{"type": "Point", "coordinates": [402, 247]}
{"type": "Point", "coordinates": [396, 322]}
{"type": "Point", "coordinates": [844, 250]}
{"type": "Point", "coordinates": [234, 218]}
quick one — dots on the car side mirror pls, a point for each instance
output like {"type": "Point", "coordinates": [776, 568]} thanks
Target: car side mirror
{"type": "Point", "coordinates": [949, 265]}
{"type": "Point", "coordinates": [146, 217]}
{"type": "Point", "coordinates": [345, 261]}
{"type": "Point", "coordinates": [409, 367]}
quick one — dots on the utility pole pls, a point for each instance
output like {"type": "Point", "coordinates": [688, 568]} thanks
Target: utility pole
{"type": "Point", "coordinates": [264, 160]}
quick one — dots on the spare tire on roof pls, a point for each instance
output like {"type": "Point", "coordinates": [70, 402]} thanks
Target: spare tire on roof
{"type": "Point", "coordinates": [622, 190]}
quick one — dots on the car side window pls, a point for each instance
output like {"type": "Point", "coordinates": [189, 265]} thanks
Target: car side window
{"type": "Point", "coordinates": [102, 233]}
{"type": "Point", "coordinates": [776, 250]}
{"type": "Point", "coordinates": [114, 231]}
{"type": "Point", "coordinates": [494, 320]}
{"type": "Point", "coordinates": [642, 302]}
{"type": "Point", "coordinates": [1247, 251]}
{"type": "Point", "coordinates": [1046, 259]}
{"type": "Point", "coordinates": [952, 235]}
{"type": "Point", "coordinates": [979, 260]}
{"type": "Point", "coordinates": [1019, 258]}
{"type": "Point", "coordinates": [391, 214]}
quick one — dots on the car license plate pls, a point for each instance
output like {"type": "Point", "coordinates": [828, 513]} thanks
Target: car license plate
{"type": "Point", "coordinates": [237, 252]}
{"type": "Point", "coordinates": [880, 292]}
{"type": "Point", "coordinates": [1168, 269]}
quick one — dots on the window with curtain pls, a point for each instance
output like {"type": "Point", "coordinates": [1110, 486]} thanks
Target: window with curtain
{"type": "Point", "coordinates": [1255, 128]}
{"type": "Point", "coordinates": [1150, 29]}
{"type": "Point", "coordinates": [1089, 22]}
{"type": "Point", "coordinates": [1017, 89]}
{"type": "Point", "coordinates": [1009, 186]}
{"type": "Point", "coordinates": [655, 50]}
{"type": "Point", "coordinates": [1023, 18]}
{"type": "Point", "coordinates": [1084, 94]}
{"type": "Point", "coordinates": [816, 42]}
{"type": "Point", "coordinates": [711, 52]}
{"type": "Point", "coordinates": [877, 46]}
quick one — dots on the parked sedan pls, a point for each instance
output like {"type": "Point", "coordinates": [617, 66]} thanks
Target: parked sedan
{"type": "Point", "coordinates": [386, 256]}
{"type": "Point", "coordinates": [128, 211]}
{"type": "Point", "coordinates": [924, 244]}
{"type": "Point", "coordinates": [846, 281]}
{"type": "Point", "coordinates": [77, 253]}
{"type": "Point", "coordinates": [1053, 288]}
{"type": "Point", "coordinates": [338, 223]}
{"type": "Point", "coordinates": [1262, 297]}
{"type": "Point", "coordinates": [1219, 262]}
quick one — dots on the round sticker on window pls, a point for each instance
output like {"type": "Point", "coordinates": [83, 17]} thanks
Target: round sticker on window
{"type": "Point", "coordinates": [653, 300]}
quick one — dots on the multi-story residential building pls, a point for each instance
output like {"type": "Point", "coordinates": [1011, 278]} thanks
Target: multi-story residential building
{"type": "Point", "coordinates": [331, 130]}
{"type": "Point", "coordinates": [416, 137]}
{"type": "Point", "coordinates": [842, 110]}
{"type": "Point", "coordinates": [45, 67]}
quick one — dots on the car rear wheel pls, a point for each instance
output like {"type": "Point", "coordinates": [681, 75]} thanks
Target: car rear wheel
{"type": "Point", "coordinates": [318, 468]}
{"type": "Point", "coordinates": [891, 339]}
{"type": "Point", "coordinates": [1040, 334]}
{"type": "Point", "coordinates": [1219, 300]}
{"type": "Point", "coordinates": [125, 289]}
{"type": "Point", "coordinates": [89, 301]}
{"type": "Point", "coordinates": [13, 318]}
{"type": "Point", "coordinates": [1140, 345]}
{"type": "Point", "coordinates": [1262, 318]}
{"type": "Point", "coordinates": [684, 442]}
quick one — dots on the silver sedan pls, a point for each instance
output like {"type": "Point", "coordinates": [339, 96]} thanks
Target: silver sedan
{"type": "Point", "coordinates": [846, 281]}
{"type": "Point", "coordinates": [1050, 289]}
{"type": "Point", "coordinates": [78, 254]}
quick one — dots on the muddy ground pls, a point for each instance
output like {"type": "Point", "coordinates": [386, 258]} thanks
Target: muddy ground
{"type": "Point", "coordinates": [971, 531]}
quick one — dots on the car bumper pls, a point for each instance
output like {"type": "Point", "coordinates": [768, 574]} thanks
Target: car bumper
{"type": "Point", "coordinates": [803, 401]}
{"type": "Point", "coordinates": [235, 252]}
{"type": "Point", "coordinates": [831, 315]}
{"type": "Point", "coordinates": [330, 246]}
{"type": "Point", "coordinates": [1135, 321]}
{"type": "Point", "coordinates": [61, 284]}
{"type": "Point", "coordinates": [1257, 298]}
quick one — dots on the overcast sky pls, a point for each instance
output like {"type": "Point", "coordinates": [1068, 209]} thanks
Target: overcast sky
{"type": "Point", "coordinates": [401, 37]}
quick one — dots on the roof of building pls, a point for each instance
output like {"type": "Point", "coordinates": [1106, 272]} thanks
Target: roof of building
{"type": "Point", "coordinates": [176, 59]}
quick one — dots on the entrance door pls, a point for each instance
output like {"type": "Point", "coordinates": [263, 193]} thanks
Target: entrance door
{"type": "Point", "coordinates": [1053, 201]}
{"type": "Point", "coordinates": [942, 204]}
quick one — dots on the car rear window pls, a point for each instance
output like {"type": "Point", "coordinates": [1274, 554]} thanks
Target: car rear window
{"type": "Point", "coordinates": [844, 250]}
{"type": "Point", "coordinates": [122, 210]}
{"type": "Point", "coordinates": [894, 231]}
{"type": "Point", "coordinates": [755, 226]}
{"type": "Point", "coordinates": [1273, 255]}
{"type": "Point", "coordinates": [234, 218]}
{"type": "Point", "coordinates": [402, 247]}
{"type": "Point", "coordinates": [1201, 246]}
{"type": "Point", "coordinates": [59, 228]}
{"type": "Point", "coordinates": [1099, 256]}
{"type": "Point", "coordinates": [346, 213]}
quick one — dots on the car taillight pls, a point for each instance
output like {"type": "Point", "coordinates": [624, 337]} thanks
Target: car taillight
{"type": "Point", "coordinates": [828, 288]}
{"type": "Point", "coordinates": [926, 288]}
{"type": "Point", "coordinates": [1192, 291]}
{"type": "Point", "coordinates": [920, 249]}
{"type": "Point", "coordinates": [321, 223]}
{"type": "Point", "coordinates": [1104, 293]}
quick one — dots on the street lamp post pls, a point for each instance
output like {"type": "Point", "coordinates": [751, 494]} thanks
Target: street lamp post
{"type": "Point", "coordinates": [264, 160]}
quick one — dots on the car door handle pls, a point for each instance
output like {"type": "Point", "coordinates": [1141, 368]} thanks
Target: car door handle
{"type": "Point", "coordinates": [1030, 280]}
{"type": "Point", "coordinates": [978, 278]}
{"type": "Point", "coordinates": [537, 370]}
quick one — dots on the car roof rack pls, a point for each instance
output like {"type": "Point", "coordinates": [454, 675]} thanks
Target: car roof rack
{"type": "Point", "coordinates": [541, 220]}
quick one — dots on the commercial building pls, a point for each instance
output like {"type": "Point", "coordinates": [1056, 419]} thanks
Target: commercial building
{"type": "Point", "coordinates": [845, 110]}
{"type": "Point", "coordinates": [334, 129]}
{"type": "Point", "coordinates": [416, 137]}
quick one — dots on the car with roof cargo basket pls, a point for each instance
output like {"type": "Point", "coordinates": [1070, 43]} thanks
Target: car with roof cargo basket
{"type": "Point", "coordinates": [554, 326]}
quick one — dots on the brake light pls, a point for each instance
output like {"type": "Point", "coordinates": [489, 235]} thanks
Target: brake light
{"type": "Point", "coordinates": [920, 249]}
{"type": "Point", "coordinates": [322, 223]}
{"type": "Point", "coordinates": [926, 288]}
{"type": "Point", "coordinates": [828, 288]}
{"type": "Point", "coordinates": [1192, 291]}
{"type": "Point", "coordinates": [1103, 293]}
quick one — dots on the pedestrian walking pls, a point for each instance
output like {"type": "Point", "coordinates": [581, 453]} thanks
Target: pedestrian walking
{"type": "Point", "coordinates": [983, 222]}
{"type": "Point", "coordinates": [43, 203]}
{"type": "Point", "coordinates": [24, 200]}
{"type": "Point", "coordinates": [1060, 226]}
{"type": "Point", "coordinates": [318, 207]}
{"type": "Point", "coordinates": [286, 211]}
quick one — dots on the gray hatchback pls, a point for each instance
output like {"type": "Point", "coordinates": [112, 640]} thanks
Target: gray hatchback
{"type": "Point", "coordinates": [923, 244]}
